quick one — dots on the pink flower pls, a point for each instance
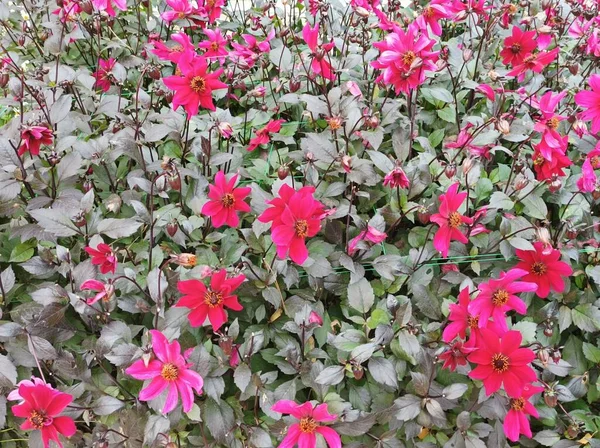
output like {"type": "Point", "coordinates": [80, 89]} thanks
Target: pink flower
{"type": "Point", "coordinates": [194, 88]}
{"type": "Point", "coordinates": [42, 406]}
{"type": "Point", "coordinates": [404, 58]}
{"type": "Point", "coordinates": [496, 297]}
{"type": "Point", "coordinates": [226, 201]}
{"type": "Point", "coordinates": [168, 370]}
{"type": "Point", "coordinates": [370, 234]}
{"type": "Point", "coordinates": [15, 396]}
{"type": "Point", "coordinates": [456, 355]}
{"type": "Point", "coordinates": [210, 9]}
{"type": "Point", "coordinates": [252, 51]}
{"type": "Point", "coordinates": [460, 318]}
{"type": "Point", "coordinates": [174, 53]}
{"type": "Point", "coordinates": [487, 90]}
{"type": "Point", "coordinates": [516, 421]}
{"type": "Point", "coordinates": [262, 135]}
{"type": "Point", "coordinates": [304, 433]}
{"type": "Point", "coordinates": [588, 181]}
{"type": "Point", "coordinates": [535, 62]}
{"type": "Point", "coordinates": [518, 46]}
{"type": "Point", "coordinates": [210, 302]}
{"type": "Point", "coordinates": [105, 290]}
{"type": "Point", "coordinates": [396, 178]}
{"type": "Point", "coordinates": [104, 257]}
{"type": "Point", "coordinates": [547, 169]}
{"type": "Point", "coordinates": [180, 9]}
{"type": "Point", "coordinates": [449, 220]}
{"type": "Point", "coordinates": [32, 137]}
{"type": "Point", "coordinates": [590, 100]}
{"type": "Point", "coordinates": [103, 74]}
{"type": "Point", "coordinates": [548, 123]}
{"type": "Point", "coordinates": [464, 141]}
{"type": "Point", "coordinates": [314, 318]}
{"type": "Point", "coordinates": [353, 88]}
{"type": "Point", "coordinates": [543, 268]}
{"type": "Point", "coordinates": [431, 15]}
{"type": "Point", "coordinates": [295, 216]}
{"type": "Point", "coordinates": [501, 362]}
{"type": "Point", "coordinates": [319, 64]}
{"type": "Point", "coordinates": [107, 5]}
{"type": "Point", "coordinates": [215, 46]}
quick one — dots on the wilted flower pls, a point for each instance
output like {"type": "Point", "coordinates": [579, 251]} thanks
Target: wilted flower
{"type": "Point", "coordinates": [104, 257]}
{"type": "Point", "coordinates": [105, 291]}
{"type": "Point", "coordinates": [185, 260]}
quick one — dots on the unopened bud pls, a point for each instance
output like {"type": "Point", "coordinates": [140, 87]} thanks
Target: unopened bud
{"type": "Point", "coordinates": [503, 126]}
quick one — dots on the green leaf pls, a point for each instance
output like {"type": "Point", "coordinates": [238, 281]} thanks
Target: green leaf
{"type": "Point", "coordinates": [330, 376]}
{"type": "Point", "coordinates": [22, 252]}
{"type": "Point", "coordinates": [219, 418]}
{"type": "Point", "coordinates": [586, 317]}
{"type": "Point", "coordinates": [54, 221]}
{"type": "Point", "coordinates": [383, 372]}
{"type": "Point", "coordinates": [361, 296]}
{"type": "Point", "coordinates": [447, 114]}
{"type": "Point", "coordinates": [501, 200]}
{"type": "Point", "coordinates": [118, 228]}
{"type": "Point", "coordinates": [591, 352]}
{"type": "Point", "coordinates": [535, 207]}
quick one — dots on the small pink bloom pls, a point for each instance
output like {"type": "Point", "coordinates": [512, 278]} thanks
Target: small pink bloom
{"type": "Point", "coordinates": [304, 433]}
{"type": "Point", "coordinates": [431, 15]}
{"type": "Point", "coordinates": [170, 371]}
{"type": "Point", "coordinates": [314, 318]}
{"type": "Point", "coordinates": [500, 361]}
{"type": "Point", "coordinates": [295, 216]}
{"type": "Point", "coordinates": [588, 181]}
{"type": "Point", "coordinates": [449, 268]}
{"type": "Point", "coordinates": [370, 234]}
{"type": "Point", "coordinates": [180, 9]}
{"type": "Point", "coordinates": [543, 268]}
{"type": "Point", "coordinates": [104, 290]}
{"type": "Point", "coordinates": [195, 85]}
{"type": "Point", "coordinates": [225, 129]}
{"type": "Point", "coordinates": [15, 396]}
{"type": "Point", "coordinates": [320, 64]}
{"type": "Point", "coordinates": [396, 178]}
{"type": "Point", "coordinates": [103, 74]}
{"type": "Point", "coordinates": [107, 5]}
{"type": "Point", "coordinates": [226, 201]}
{"type": "Point", "coordinates": [33, 137]}
{"type": "Point", "coordinates": [263, 135]}
{"type": "Point", "coordinates": [42, 406]}
{"type": "Point", "coordinates": [210, 302]}
{"type": "Point", "coordinates": [496, 297]}
{"type": "Point", "coordinates": [104, 257]}
{"type": "Point", "coordinates": [516, 422]}
{"type": "Point", "coordinates": [216, 45]}
{"type": "Point", "coordinates": [174, 53]}
{"type": "Point", "coordinates": [449, 220]}
{"type": "Point", "coordinates": [536, 62]}
{"type": "Point", "coordinates": [590, 101]}
{"type": "Point", "coordinates": [353, 88]}
{"type": "Point", "coordinates": [456, 355]}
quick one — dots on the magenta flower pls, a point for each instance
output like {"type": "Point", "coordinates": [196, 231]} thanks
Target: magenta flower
{"type": "Point", "coordinates": [496, 297]}
{"type": "Point", "coordinates": [104, 290]}
{"type": "Point", "coordinates": [487, 90]}
{"type": "Point", "coordinates": [226, 201]}
{"type": "Point", "coordinates": [174, 53]}
{"type": "Point", "coordinates": [319, 65]}
{"type": "Point", "coordinates": [253, 50]}
{"type": "Point", "coordinates": [180, 9]}
{"type": "Point", "coordinates": [104, 257]}
{"type": "Point", "coordinates": [516, 421]}
{"type": "Point", "coordinates": [210, 302]}
{"type": "Point", "coordinates": [449, 220]}
{"type": "Point", "coordinates": [295, 216]}
{"type": "Point", "coordinates": [33, 137]}
{"type": "Point", "coordinates": [405, 58]}
{"type": "Point", "coordinates": [396, 178]}
{"type": "Point", "coordinates": [588, 182]}
{"type": "Point", "coordinates": [304, 433]}
{"type": "Point", "coordinates": [41, 407]}
{"type": "Point", "coordinates": [168, 371]}
{"type": "Point", "coordinates": [103, 74]}
{"type": "Point", "coordinates": [518, 46]}
{"type": "Point", "coordinates": [501, 362]}
{"type": "Point", "coordinates": [263, 135]}
{"type": "Point", "coordinates": [107, 5]}
{"type": "Point", "coordinates": [590, 100]}
{"type": "Point", "coordinates": [431, 15]}
{"type": "Point", "coordinates": [370, 234]}
{"type": "Point", "coordinates": [194, 88]}
{"type": "Point", "coordinates": [215, 47]}
{"type": "Point", "coordinates": [16, 396]}
{"type": "Point", "coordinates": [536, 62]}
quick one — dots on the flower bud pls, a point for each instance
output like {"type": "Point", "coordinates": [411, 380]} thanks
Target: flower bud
{"type": "Point", "coordinates": [347, 163]}
{"type": "Point", "coordinates": [314, 318]}
{"type": "Point", "coordinates": [175, 182]}
{"type": "Point", "coordinates": [185, 260]}
{"type": "Point", "coordinates": [87, 185]}
{"type": "Point", "coordinates": [450, 170]}
{"type": "Point", "coordinates": [358, 371]}
{"type": "Point", "coordinates": [423, 215]}
{"type": "Point", "coordinates": [550, 398]}
{"type": "Point", "coordinates": [172, 228]}
{"type": "Point", "coordinates": [467, 165]}
{"type": "Point", "coordinates": [225, 129]}
{"type": "Point", "coordinates": [294, 85]}
{"type": "Point", "coordinates": [283, 171]}
{"type": "Point", "coordinates": [503, 126]}
{"type": "Point", "coordinates": [555, 185]}
{"type": "Point", "coordinates": [113, 203]}
{"type": "Point", "coordinates": [4, 77]}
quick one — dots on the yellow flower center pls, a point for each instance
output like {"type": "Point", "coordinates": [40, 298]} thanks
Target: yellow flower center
{"type": "Point", "coordinates": [428, 12]}
{"type": "Point", "coordinates": [552, 123]}
{"type": "Point", "coordinates": [473, 322]}
{"type": "Point", "coordinates": [518, 404]}
{"type": "Point", "coordinates": [213, 299]}
{"type": "Point", "coordinates": [301, 228]}
{"type": "Point", "coordinates": [198, 84]}
{"type": "Point", "coordinates": [228, 200]}
{"type": "Point", "coordinates": [37, 419]}
{"type": "Point", "coordinates": [454, 220]}
{"type": "Point", "coordinates": [308, 425]}
{"type": "Point", "coordinates": [538, 268]}
{"type": "Point", "coordinates": [409, 57]}
{"type": "Point", "coordinates": [214, 46]}
{"type": "Point", "coordinates": [169, 372]}
{"type": "Point", "coordinates": [500, 297]}
{"type": "Point", "coordinates": [500, 363]}
{"type": "Point", "coordinates": [595, 161]}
